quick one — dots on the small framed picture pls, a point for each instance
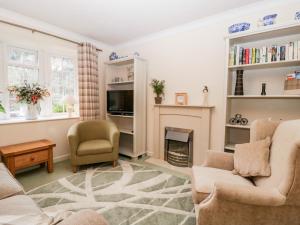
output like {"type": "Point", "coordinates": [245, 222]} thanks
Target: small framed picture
{"type": "Point", "coordinates": [181, 98]}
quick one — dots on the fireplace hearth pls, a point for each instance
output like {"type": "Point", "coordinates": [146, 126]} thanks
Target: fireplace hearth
{"type": "Point", "coordinates": [179, 146]}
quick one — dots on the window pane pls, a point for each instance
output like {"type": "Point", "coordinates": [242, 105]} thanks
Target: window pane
{"type": "Point", "coordinates": [63, 82]}
{"type": "Point", "coordinates": [17, 75]}
{"type": "Point", "coordinates": [23, 56]}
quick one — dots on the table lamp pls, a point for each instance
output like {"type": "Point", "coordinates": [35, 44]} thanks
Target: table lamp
{"type": "Point", "coordinates": [70, 101]}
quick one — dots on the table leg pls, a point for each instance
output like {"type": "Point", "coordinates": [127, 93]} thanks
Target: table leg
{"type": "Point", "coordinates": [50, 160]}
{"type": "Point", "coordinates": [10, 163]}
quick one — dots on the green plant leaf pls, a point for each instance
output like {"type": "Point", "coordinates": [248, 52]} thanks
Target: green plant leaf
{"type": "Point", "coordinates": [2, 109]}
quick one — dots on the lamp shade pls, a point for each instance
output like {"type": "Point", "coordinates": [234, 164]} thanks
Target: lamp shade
{"type": "Point", "coordinates": [69, 100]}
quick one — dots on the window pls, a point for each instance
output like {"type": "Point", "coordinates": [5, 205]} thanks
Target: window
{"type": "Point", "coordinates": [63, 82]}
{"type": "Point", "coordinates": [22, 66]}
{"type": "Point", "coordinates": [56, 72]}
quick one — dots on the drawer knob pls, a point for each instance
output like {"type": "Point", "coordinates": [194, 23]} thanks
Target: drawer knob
{"type": "Point", "coordinates": [32, 158]}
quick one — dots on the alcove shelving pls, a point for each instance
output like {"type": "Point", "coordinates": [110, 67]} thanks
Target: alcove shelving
{"type": "Point", "coordinates": [131, 74]}
{"type": "Point", "coordinates": [252, 105]}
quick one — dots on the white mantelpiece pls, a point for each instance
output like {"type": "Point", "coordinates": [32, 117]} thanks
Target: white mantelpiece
{"type": "Point", "coordinates": [192, 117]}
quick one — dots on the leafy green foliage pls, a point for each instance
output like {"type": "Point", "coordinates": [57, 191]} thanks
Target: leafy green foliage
{"type": "Point", "coordinates": [2, 109]}
{"type": "Point", "coordinates": [59, 108]}
{"type": "Point", "coordinates": [158, 87]}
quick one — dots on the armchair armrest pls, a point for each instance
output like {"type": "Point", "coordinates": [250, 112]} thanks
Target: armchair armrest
{"type": "Point", "coordinates": [113, 134]}
{"type": "Point", "coordinates": [84, 217]}
{"type": "Point", "coordinates": [248, 195]}
{"type": "Point", "coordinates": [73, 138]}
{"type": "Point", "coordinates": [219, 160]}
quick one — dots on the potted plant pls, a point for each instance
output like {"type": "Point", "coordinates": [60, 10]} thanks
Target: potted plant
{"type": "Point", "coordinates": [158, 89]}
{"type": "Point", "coordinates": [30, 95]}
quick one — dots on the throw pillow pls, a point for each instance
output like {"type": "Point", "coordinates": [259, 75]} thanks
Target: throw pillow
{"type": "Point", "coordinates": [252, 159]}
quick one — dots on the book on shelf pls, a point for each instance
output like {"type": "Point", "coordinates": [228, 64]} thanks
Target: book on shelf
{"type": "Point", "coordinates": [239, 55]}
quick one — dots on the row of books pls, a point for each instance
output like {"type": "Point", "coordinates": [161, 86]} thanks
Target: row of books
{"type": "Point", "coordinates": [239, 55]}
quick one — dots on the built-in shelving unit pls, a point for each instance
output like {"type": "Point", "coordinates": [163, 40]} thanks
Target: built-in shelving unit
{"type": "Point", "coordinates": [131, 74]}
{"type": "Point", "coordinates": [252, 105]}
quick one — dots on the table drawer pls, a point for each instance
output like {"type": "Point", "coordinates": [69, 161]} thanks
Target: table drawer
{"type": "Point", "coordinates": [25, 160]}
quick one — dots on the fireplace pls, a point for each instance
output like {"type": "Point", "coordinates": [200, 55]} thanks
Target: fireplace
{"type": "Point", "coordinates": [179, 146]}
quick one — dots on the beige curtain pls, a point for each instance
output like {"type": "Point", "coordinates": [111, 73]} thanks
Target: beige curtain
{"type": "Point", "coordinates": [88, 82]}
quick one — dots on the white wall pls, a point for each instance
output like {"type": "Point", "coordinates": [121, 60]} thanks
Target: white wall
{"type": "Point", "coordinates": [191, 56]}
{"type": "Point", "coordinates": [55, 130]}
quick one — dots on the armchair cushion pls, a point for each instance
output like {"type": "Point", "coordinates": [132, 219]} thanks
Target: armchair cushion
{"type": "Point", "coordinates": [252, 159]}
{"type": "Point", "coordinates": [94, 147]}
{"type": "Point", "coordinates": [204, 179]}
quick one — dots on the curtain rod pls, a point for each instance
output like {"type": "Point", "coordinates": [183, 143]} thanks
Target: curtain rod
{"type": "Point", "coordinates": [42, 32]}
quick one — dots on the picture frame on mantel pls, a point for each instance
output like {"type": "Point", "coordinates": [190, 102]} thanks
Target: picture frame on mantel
{"type": "Point", "coordinates": [181, 98]}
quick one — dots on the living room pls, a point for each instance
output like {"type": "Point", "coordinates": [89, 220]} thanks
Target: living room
{"type": "Point", "coordinates": [150, 112]}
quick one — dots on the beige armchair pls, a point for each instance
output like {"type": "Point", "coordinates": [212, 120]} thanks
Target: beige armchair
{"type": "Point", "coordinates": [227, 199]}
{"type": "Point", "coordinates": [93, 142]}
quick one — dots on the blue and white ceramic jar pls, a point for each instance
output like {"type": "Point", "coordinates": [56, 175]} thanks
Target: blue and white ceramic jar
{"type": "Point", "coordinates": [297, 15]}
{"type": "Point", "coordinates": [113, 56]}
{"type": "Point", "coordinates": [269, 19]}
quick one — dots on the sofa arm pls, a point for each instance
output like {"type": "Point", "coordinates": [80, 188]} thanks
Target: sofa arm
{"type": "Point", "coordinates": [248, 195]}
{"type": "Point", "coordinates": [220, 160]}
{"type": "Point", "coordinates": [73, 138]}
{"type": "Point", "coordinates": [84, 217]}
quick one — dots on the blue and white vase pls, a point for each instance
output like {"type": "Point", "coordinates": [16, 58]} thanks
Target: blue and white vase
{"type": "Point", "coordinates": [297, 15]}
{"type": "Point", "coordinates": [113, 56]}
{"type": "Point", "coordinates": [238, 27]}
{"type": "Point", "coordinates": [269, 19]}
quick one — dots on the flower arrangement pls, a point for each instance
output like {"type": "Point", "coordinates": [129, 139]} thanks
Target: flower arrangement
{"type": "Point", "coordinates": [29, 93]}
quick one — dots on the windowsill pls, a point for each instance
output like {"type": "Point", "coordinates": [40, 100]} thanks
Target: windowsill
{"type": "Point", "coordinates": [40, 119]}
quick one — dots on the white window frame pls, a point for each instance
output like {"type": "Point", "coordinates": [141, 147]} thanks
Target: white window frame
{"type": "Point", "coordinates": [44, 68]}
{"type": "Point", "coordinates": [73, 57]}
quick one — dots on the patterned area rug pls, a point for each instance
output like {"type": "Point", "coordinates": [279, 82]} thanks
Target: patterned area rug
{"type": "Point", "coordinates": [130, 194]}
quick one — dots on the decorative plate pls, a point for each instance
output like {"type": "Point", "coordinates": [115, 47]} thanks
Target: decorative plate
{"type": "Point", "coordinates": [239, 27]}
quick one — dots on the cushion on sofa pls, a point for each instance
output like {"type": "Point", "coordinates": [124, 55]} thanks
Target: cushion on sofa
{"type": "Point", "coordinates": [21, 209]}
{"type": "Point", "coordinates": [204, 179]}
{"type": "Point", "coordinates": [252, 159]}
{"type": "Point", "coordinates": [8, 184]}
{"type": "Point", "coordinates": [94, 147]}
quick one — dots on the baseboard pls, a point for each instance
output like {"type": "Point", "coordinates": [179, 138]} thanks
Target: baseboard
{"type": "Point", "coordinates": [61, 158]}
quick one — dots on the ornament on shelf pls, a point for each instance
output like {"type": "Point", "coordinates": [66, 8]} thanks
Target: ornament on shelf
{"type": "Point", "coordinates": [269, 19]}
{"type": "Point", "coordinates": [239, 27]}
{"type": "Point", "coordinates": [113, 56]}
{"type": "Point", "coordinates": [205, 96]}
{"type": "Point", "coordinates": [263, 89]}
{"type": "Point", "coordinates": [238, 120]}
{"type": "Point", "coordinates": [239, 89]}
{"type": "Point", "coordinates": [297, 15]}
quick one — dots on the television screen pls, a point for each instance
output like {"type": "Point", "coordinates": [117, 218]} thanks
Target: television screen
{"type": "Point", "coordinates": [120, 101]}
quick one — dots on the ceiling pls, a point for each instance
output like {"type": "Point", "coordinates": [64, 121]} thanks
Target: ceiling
{"type": "Point", "coordinates": [118, 21]}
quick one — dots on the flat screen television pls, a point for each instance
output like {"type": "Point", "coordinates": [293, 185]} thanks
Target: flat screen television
{"type": "Point", "coordinates": [120, 102]}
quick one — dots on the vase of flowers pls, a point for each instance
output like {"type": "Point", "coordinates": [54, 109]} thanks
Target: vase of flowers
{"type": "Point", "coordinates": [158, 89]}
{"type": "Point", "coordinates": [29, 95]}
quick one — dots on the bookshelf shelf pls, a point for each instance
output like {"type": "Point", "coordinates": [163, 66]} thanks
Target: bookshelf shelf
{"type": "Point", "coordinates": [286, 63]}
{"type": "Point", "coordinates": [230, 147]}
{"type": "Point", "coordinates": [126, 131]}
{"type": "Point", "coordinates": [263, 45]}
{"type": "Point", "coordinates": [263, 96]}
{"type": "Point", "coordinates": [122, 82]}
{"type": "Point", "coordinates": [238, 126]}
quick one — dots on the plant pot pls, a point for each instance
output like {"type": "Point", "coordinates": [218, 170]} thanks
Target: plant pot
{"type": "Point", "coordinates": [31, 111]}
{"type": "Point", "coordinates": [158, 100]}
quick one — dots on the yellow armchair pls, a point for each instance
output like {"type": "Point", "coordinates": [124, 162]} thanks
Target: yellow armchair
{"type": "Point", "coordinates": [93, 142]}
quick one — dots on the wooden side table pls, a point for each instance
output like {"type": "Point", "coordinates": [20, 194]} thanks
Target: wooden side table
{"type": "Point", "coordinates": [20, 156]}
